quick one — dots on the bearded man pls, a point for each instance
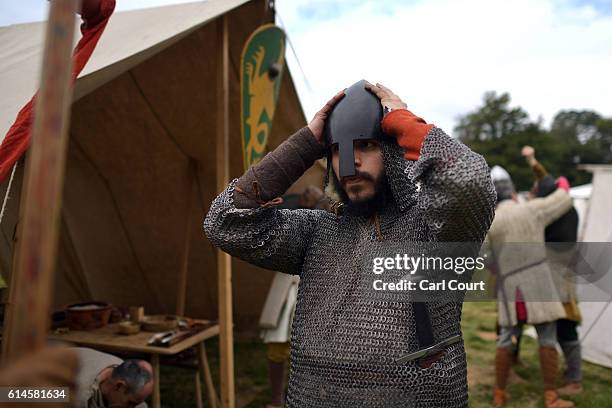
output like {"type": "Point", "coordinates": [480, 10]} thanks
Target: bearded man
{"type": "Point", "coordinates": [400, 180]}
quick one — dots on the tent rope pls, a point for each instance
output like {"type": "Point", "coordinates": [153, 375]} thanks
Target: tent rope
{"type": "Point", "coordinates": [8, 190]}
{"type": "Point", "coordinates": [282, 24]}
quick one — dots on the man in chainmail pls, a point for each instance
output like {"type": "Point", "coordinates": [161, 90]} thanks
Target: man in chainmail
{"type": "Point", "coordinates": [406, 183]}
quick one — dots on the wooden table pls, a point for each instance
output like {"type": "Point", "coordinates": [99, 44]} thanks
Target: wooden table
{"type": "Point", "coordinates": [108, 339]}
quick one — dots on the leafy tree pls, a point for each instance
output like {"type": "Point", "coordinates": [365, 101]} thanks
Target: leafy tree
{"type": "Point", "coordinates": [603, 139]}
{"type": "Point", "coordinates": [498, 131]}
{"type": "Point", "coordinates": [572, 125]}
{"type": "Point", "coordinates": [494, 120]}
{"type": "Point", "coordinates": [583, 136]}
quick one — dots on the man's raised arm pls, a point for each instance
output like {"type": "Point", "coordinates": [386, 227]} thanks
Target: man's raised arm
{"type": "Point", "coordinates": [457, 194]}
{"type": "Point", "coordinates": [242, 220]}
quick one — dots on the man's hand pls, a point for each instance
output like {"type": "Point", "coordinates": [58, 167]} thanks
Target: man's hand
{"type": "Point", "coordinates": [317, 124]}
{"type": "Point", "coordinates": [528, 153]}
{"type": "Point", "coordinates": [387, 98]}
{"type": "Point", "coordinates": [50, 367]}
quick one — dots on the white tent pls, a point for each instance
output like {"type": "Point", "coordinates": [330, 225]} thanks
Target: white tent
{"type": "Point", "coordinates": [597, 227]}
{"type": "Point", "coordinates": [580, 195]}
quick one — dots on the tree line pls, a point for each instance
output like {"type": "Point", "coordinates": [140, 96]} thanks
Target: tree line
{"type": "Point", "coordinates": [498, 131]}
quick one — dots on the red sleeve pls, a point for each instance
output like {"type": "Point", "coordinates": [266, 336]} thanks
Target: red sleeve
{"type": "Point", "coordinates": [409, 130]}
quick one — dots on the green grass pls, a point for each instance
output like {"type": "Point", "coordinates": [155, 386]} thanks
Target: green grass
{"type": "Point", "coordinates": [479, 318]}
{"type": "Point", "coordinates": [478, 328]}
{"type": "Point", "coordinates": [252, 390]}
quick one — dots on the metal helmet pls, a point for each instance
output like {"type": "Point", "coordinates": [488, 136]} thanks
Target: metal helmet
{"type": "Point", "coordinates": [502, 182]}
{"type": "Point", "coordinates": [356, 116]}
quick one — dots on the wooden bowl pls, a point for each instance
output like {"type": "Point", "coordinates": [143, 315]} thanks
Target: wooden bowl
{"type": "Point", "coordinates": [129, 327]}
{"type": "Point", "coordinates": [88, 315]}
{"type": "Point", "coordinates": [159, 323]}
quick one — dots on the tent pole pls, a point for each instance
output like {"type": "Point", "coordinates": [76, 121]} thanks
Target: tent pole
{"type": "Point", "coordinates": [182, 278]}
{"type": "Point", "coordinates": [8, 308]}
{"type": "Point", "coordinates": [224, 261]}
{"type": "Point", "coordinates": [32, 283]}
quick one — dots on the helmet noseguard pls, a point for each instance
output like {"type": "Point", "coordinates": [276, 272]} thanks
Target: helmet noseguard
{"type": "Point", "coordinates": [356, 116]}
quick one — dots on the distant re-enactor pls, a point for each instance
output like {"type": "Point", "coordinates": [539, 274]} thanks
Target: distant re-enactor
{"type": "Point", "coordinates": [563, 230]}
{"type": "Point", "coordinates": [526, 289]}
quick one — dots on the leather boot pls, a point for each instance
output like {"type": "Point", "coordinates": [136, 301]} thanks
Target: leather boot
{"type": "Point", "coordinates": [570, 389]}
{"type": "Point", "coordinates": [503, 362]}
{"type": "Point", "coordinates": [549, 363]}
{"type": "Point", "coordinates": [276, 375]}
{"type": "Point", "coordinates": [500, 397]}
{"type": "Point", "coordinates": [552, 400]}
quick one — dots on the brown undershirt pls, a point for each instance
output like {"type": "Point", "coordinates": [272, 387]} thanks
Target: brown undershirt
{"type": "Point", "coordinates": [278, 170]}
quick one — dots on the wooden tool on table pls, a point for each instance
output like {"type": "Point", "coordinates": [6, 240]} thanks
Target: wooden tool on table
{"type": "Point", "coordinates": [171, 337]}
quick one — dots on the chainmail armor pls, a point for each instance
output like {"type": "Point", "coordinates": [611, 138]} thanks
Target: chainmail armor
{"type": "Point", "coordinates": [346, 339]}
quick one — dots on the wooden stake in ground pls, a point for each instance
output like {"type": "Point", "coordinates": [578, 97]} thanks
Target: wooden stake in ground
{"type": "Point", "coordinates": [34, 272]}
{"type": "Point", "coordinates": [224, 261]}
{"type": "Point", "coordinates": [181, 293]}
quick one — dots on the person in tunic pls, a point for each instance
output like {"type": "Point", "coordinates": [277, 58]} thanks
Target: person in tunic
{"type": "Point", "coordinates": [564, 229]}
{"type": "Point", "coordinates": [525, 290]}
{"type": "Point", "coordinates": [406, 183]}
{"type": "Point", "coordinates": [106, 381]}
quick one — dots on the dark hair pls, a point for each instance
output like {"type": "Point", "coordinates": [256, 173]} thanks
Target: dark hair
{"type": "Point", "coordinates": [546, 186]}
{"type": "Point", "coordinates": [133, 374]}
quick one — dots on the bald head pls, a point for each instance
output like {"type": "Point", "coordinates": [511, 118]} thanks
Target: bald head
{"type": "Point", "coordinates": [147, 388]}
{"type": "Point", "coordinates": [132, 383]}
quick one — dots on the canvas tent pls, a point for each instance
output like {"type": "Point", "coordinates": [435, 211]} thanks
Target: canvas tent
{"type": "Point", "coordinates": [580, 196]}
{"type": "Point", "coordinates": [597, 227]}
{"type": "Point", "coordinates": [144, 109]}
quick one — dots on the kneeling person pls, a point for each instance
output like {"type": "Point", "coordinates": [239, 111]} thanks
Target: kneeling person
{"type": "Point", "coordinates": [106, 381]}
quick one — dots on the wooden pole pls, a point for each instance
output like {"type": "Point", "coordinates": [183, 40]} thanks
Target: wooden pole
{"type": "Point", "coordinates": [204, 370]}
{"type": "Point", "coordinates": [32, 286]}
{"type": "Point", "coordinates": [182, 278]}
{"type": "Point", "coordinates": [156, 397]}
{"type": "Point", "coordinates": [224, 261]}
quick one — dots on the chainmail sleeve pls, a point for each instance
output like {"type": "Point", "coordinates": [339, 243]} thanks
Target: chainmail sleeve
{"type": "Point", "coordinates": [243, 222]}
{"type": "Point", "coordinates": [456, 192]}
{"type": "Point", "coordinates": [268, 237]}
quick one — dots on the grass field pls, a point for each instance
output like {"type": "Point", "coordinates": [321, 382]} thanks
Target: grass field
{"type": "Point", "coordinates": [478, 326]}
{"type": "Point", "coordinates": [478, 329]}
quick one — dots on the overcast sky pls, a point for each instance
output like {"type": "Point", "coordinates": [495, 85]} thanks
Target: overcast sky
{"type": "Point", "coordinates": [440, 56]}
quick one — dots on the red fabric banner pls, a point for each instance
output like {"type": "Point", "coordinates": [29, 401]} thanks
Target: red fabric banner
{"type": "Point", "coordinates": [17, 139]}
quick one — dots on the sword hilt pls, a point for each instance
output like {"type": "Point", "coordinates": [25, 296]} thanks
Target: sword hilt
{"type": "Point", "coordinates": [429, 351]}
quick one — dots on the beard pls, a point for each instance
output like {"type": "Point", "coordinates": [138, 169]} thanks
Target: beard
{"type": "Point", "coordinates": [367, 206]}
